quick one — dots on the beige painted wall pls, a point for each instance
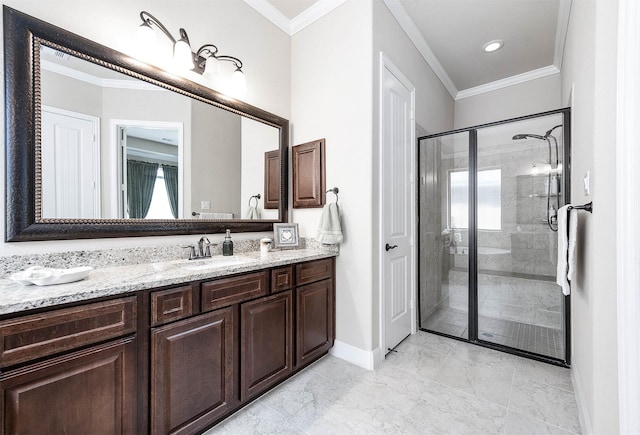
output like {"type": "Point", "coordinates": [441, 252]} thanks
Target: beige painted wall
{"type": "Point", "coordinates": [239, 30]}
{"type": "Point", "coordinates": [433, 113]}
{"type": "Point", "coordinates": [215, 165]}
{"type": "Point", "coordinates": [527, 98]}
{"type": "Point", "coordinates": [257, 139]}
{"type": "Point", "coordinates": [335, 89]}
{"type": "Point", "coordinates": [589, 80]}
{"type": "Point", "coordinates": [331, 85]}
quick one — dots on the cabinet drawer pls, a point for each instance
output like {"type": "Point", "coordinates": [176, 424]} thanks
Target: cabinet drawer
{"type": "Point", "coordinates": [38, 335]}
{"type": "Point", "coordinates": [171, 304]}
{"type": "Point", "coordinates": [281, 279]}
{"type": "Point", "coordinates": [313, 271]}
{"type": "Point", "coordinates": [229, 291]}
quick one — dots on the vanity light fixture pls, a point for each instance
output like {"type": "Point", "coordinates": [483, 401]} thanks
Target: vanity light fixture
{"type": "Point", "coordinates": [205, 60]}
{"type": "Point", "coordinates": [492, 46]}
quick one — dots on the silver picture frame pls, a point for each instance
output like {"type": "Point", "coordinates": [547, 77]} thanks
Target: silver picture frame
{"type": "Point", "coordinates": [285, 235]}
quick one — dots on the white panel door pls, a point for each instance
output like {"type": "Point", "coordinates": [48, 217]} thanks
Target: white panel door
{"type": "Point", "coordinates": [397, 205]}
{"type": "Point", "coordinates": [70, 165]}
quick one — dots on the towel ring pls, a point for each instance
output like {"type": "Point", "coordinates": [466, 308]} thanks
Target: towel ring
{"type": "Point", "coordinates": [256, 197]}
{"type": "Point", "coordinates": [335, 191]}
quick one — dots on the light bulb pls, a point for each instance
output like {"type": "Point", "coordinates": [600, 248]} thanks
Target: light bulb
{"type": "Point", "coordinates": [146, 36]}
{"type": "Point", "coordinates": [212, 69]}
{"type": "Point", "coordinates": [182, 56]}
{"type": "Point", "coordinates": [238, 83]}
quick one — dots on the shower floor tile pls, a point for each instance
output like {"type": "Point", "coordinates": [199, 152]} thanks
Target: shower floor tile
{"type": "Point", "coordinates": [531, 338]}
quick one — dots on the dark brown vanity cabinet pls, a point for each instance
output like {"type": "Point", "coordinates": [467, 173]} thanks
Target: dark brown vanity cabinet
{"type": "Point", "coordinates": [315, 310]}
{"type": "Point", "coordinates": [50, 387]}
{"type": "Point", "coordinates": [168, 360]}
{"type": "Point", "coordinates": [192, 372]}
{"type": "Point", "coordinates": [267, 341]}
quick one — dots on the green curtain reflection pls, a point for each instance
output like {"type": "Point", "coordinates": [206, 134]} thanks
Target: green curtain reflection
{"type": "Point", "coordinates": [171, 185]}
{"type": "Point", "coordinates": [141, 178]}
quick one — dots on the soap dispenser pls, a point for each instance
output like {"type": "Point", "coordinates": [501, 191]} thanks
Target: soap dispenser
{"type": "Point", "coordinates": [227, 245]}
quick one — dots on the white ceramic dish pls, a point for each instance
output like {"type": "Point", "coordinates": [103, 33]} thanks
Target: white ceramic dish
{"type": "Point", "coordinates": [39, 275]}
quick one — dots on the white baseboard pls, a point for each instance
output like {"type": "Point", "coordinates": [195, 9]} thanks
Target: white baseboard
{"type": "Point", "coordinates": [363, 358]}
{"type": "Point", "coordinates": [583, 412]}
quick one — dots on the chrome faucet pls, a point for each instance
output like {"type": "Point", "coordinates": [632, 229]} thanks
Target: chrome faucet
{"type": "Point", "coordinates": [203, 251]}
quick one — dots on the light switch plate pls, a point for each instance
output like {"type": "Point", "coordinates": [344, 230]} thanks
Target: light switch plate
{"type": "Point", "coordinates": [205, 205]}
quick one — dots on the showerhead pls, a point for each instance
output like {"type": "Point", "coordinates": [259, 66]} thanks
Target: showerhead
{"type": "Point", "coordinates": [548, 133]}
{"type": "Point", "coordinates": [528, 135]}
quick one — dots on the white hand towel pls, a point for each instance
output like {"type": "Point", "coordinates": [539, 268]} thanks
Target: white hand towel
{"type": "Point", "coordinates": [253, 213]}
{"type": "Point", "coordinates": [329, 229]}
{"type": "Point", "coordinates": [567, 241]}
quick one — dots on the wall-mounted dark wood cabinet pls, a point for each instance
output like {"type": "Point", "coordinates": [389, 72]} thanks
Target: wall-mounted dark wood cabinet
{"type": "Point", "coordinates": [308, 164]}
{"type": "Point", "coordinates": [271, 179]}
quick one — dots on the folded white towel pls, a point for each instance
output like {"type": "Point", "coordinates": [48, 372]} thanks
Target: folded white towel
{"type": "Point", "coordinates": [567, 253]}
{"type": "Point", "coordinates": [253, 213]}
{"type": "Point", "coordinates": [216, 215]}
{"type": "Point", "coordinates": [329, 229]}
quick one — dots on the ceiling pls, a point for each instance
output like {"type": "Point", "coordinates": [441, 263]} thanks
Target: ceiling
{"type": "Point", "coordinates": [450, 34]}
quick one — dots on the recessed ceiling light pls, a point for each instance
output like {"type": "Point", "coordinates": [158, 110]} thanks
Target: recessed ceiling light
{"type": "Point", "coordinates": [494, 45]}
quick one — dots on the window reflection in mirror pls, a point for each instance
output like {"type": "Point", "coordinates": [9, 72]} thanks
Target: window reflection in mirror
{"type": "Point", "coordinates": [95, 121]}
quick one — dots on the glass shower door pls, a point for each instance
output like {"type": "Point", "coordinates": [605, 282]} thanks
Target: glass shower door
{"type": "Point", "coordinates": [519, 192]}
{"type": "Point", "coordinates": [444, 229]}
{"type": "Point", "coordinates": [488, 201]}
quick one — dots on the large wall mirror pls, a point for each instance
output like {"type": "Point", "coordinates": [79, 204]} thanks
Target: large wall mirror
{"type": "Point", "coordinates": [101, 145]}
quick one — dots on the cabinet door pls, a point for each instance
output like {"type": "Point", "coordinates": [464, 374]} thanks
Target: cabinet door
{"type": "Point", "coordinates": [267, 358]}
{"type": "Point", "coordinates": [88, 392]}
{"type": "Point", "coordinates": [192, 372]}
{"type": "Point", "coordinates": [314, 321]}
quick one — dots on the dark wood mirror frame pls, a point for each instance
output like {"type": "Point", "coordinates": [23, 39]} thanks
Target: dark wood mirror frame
{"type": "Point", "coordinates": [22, 37]}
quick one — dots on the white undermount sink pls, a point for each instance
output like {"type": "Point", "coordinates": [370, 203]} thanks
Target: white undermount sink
{"type": "Point", "coordinates": [216, 262]}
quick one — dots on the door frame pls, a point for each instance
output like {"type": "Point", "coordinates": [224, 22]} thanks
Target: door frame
{"type": "Point", "coordinates": [627, 211]}
{"type": "Point", "coordinates": [386, 63]}
{"type": "Point", "coordinates": [116, 172]}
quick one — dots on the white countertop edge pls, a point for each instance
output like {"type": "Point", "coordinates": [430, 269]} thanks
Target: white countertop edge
{"type": "Point", "coordinates": [121, 280]}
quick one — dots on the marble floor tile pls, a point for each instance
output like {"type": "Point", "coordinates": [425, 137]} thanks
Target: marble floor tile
{"type": "Point", "coordinates": [555, 376]}
{"type": "Point", "coordinates": [502, 361]}
{"type": "Point", "coordinates": [256, 418]}
{"type": "Point", "coordinates": [488, 381]}
{"type": "Point", "coordinates": [552, 405]}
{"type": "Point", "coordinates": [432, 385]}
{"type": "Point", "coordinates": [337, 370]}
{"type": "Point", "coordinates": [393, 388]}
{"type": "Point", "coordinates": [445, 410]}
{"type": "Point", "coordinates": [524, 425]}
{"type": "Point", "coordinates": [428, 341]}
{"type": "Point", "coordinates": [416, 360]}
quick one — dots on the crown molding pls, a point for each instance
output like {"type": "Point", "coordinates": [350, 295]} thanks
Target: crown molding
{"type": "Point", "coordinates": [564, 12]}
{"type": "Point", "coordinates": [323, 7]}
{"type": "Point", "coordinates": [409, 27]}
{"type": "Point", "coordinates": [509, 81]}
{"type": "Point", "coordinates": [97, 81]}
{"type": "Point", "coordinates": [291, 27]}
{"type": "Point", "coordinates": [267, 10]}
{"type": "Point", "coordinates": [315, 12]}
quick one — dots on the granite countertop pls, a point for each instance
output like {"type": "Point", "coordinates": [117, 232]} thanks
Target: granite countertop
{"type": "Point", "coordinates": [119, 280]}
